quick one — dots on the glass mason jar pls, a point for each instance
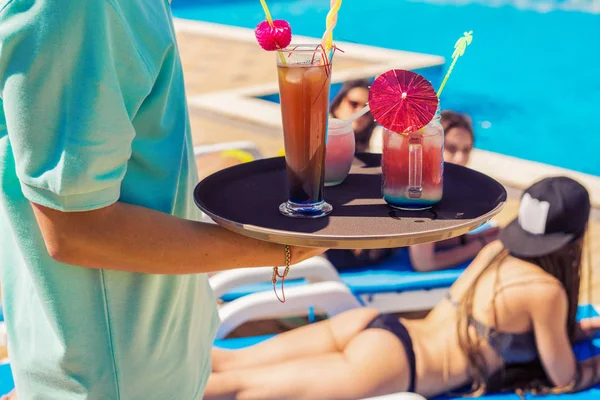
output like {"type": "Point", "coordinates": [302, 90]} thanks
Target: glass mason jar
{"type": "Point", "coordinates": [413, 167]}
{"type": "Point", "coordinates": [339, 155]}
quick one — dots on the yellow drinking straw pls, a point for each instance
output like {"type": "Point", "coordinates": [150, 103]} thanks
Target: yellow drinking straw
{"type": "Point", "coordinates": [459, 50]}
{"type": "Point", "coordinates": [330, 22]}
{"type": "Point", "coordinates": [270, 21]}
{"type": "Point", "coordinates": [267, 12]}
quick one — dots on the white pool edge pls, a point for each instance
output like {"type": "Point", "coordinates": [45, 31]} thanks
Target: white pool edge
{"type": "Point", "coordinates": [241, 104]}
{"type": "Point", "coordinates": [519, 174]}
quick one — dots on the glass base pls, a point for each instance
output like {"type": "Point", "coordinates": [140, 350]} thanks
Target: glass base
{"type": "Point", "coordinates": [334, 183]}
{"type": "Point", "coordinates": [411, 208]}
{"type": "Point", "coordinates": [295, 210]}
{"type": "Point", "coordinates": [405, 203]}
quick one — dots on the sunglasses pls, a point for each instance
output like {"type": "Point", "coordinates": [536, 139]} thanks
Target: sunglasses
{"type": "Point", "coordinates": [355, 104]}
{"type": "Point", "coordinates": [358, 105]}
{"type": "Point", "coordinates": [452, 149]}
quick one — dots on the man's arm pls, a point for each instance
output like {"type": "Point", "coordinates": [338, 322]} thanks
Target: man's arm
{"type": "Point", "coordinates": [131, 238]}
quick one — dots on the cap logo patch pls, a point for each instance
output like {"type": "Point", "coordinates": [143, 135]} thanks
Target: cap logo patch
{"type": "Point", "coordinates": [533, 214]}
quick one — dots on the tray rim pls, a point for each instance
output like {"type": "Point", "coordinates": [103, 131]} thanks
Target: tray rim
{"type": "Point", "coordinates": [349, 242]}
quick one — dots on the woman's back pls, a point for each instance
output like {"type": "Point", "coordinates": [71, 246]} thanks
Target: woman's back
{"type": "Point", "coordinates": [499, 308]}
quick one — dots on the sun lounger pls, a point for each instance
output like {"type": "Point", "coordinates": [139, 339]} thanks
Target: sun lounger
{"type": "Point", "coordinates": [331, 298]}
{"type": "Point", "coordinates": [391, 286]}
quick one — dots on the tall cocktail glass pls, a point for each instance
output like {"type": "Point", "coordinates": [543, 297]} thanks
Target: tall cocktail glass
{"type": "Point", "coordinates": [304, 79]}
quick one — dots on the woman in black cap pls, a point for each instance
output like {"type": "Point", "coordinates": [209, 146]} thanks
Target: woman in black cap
{"type": "Point", "coordinates": [508, 324]}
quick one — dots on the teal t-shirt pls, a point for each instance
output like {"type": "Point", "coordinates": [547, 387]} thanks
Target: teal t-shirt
{"type": "Point", "coordinates": [93, 111]}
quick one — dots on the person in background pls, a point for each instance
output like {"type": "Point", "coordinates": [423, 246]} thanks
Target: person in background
{"type": "Point", "coordinates": [352, 97]}
{"type": "Point", "coordinates": [459, 140]}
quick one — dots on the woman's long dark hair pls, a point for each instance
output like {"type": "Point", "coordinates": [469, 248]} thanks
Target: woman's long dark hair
{"type": "Point", "coordinates": [565, 265]}
{"type": "Point", "coordinates": [363, 137]}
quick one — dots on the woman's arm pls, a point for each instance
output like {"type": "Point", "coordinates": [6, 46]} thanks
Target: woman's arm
{"type": "Point", "coordinates": [455, 251]}
{"type": "Point", "coordinates": [589, 373]}
{"type": "Point", "coordinates": [548, 310]}
{"type": "Point", "coordinates": [424, 258]}
{"type": "Point", "coordinates": [488, 235]}
{"type": "Point", "coordinates": [131, 238]}
{"type": "Point", "coordinates": [548, 307]}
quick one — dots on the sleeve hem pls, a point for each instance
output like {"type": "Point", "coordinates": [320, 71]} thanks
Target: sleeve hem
{"type": "Point", "coordinates": [74, 202]}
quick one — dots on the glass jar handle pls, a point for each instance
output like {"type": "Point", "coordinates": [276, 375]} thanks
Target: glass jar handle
{"type": "Point", "coordinates": [415, 166]}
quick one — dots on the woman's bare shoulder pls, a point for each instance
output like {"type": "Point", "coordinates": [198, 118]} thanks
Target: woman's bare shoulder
{"type": "Point", "coordinates": [514, 272]}
{"type": "Point", "coordinates": [527, 281]}
{"type": "Point", "coordinates": [529, 271]}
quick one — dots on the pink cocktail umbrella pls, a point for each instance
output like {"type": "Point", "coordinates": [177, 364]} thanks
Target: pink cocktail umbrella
{"type": "Point", "coordinates": [402, 101]}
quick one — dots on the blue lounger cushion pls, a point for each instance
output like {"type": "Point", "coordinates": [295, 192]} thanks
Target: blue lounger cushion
{"type": "Point", "coordinates": [390, 276]}
{"type": "Point", "coordinates": [6, 379]}
{"type": "Point", "coordinates": [240, 343]}
{"type": "Point", "coordinates": [582, 350]}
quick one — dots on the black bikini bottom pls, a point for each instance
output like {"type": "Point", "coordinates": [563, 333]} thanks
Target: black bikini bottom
{"type": "Point", "coordinates": [392, 324]}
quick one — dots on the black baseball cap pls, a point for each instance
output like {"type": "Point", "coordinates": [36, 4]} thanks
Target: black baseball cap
{"type": "Point", "coordinates": [553, 212]}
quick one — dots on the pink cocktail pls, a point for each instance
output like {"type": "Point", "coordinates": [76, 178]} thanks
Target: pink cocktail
{"type": "Point", "coordinates": [341, 145]}
{"type": "Point", "coordinates": [413, 167]}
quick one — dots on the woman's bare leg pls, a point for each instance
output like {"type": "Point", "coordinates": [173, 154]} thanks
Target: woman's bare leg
{"type": "Point", "coordinates": [329, 336]}
{"type": "Point", "coordinates": [373, 363]}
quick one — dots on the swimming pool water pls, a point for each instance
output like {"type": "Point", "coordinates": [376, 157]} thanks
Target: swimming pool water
{"type": "Point", "coordinates": [433, 74]}
{"type": "Point", "coordinates": [530, 80]}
